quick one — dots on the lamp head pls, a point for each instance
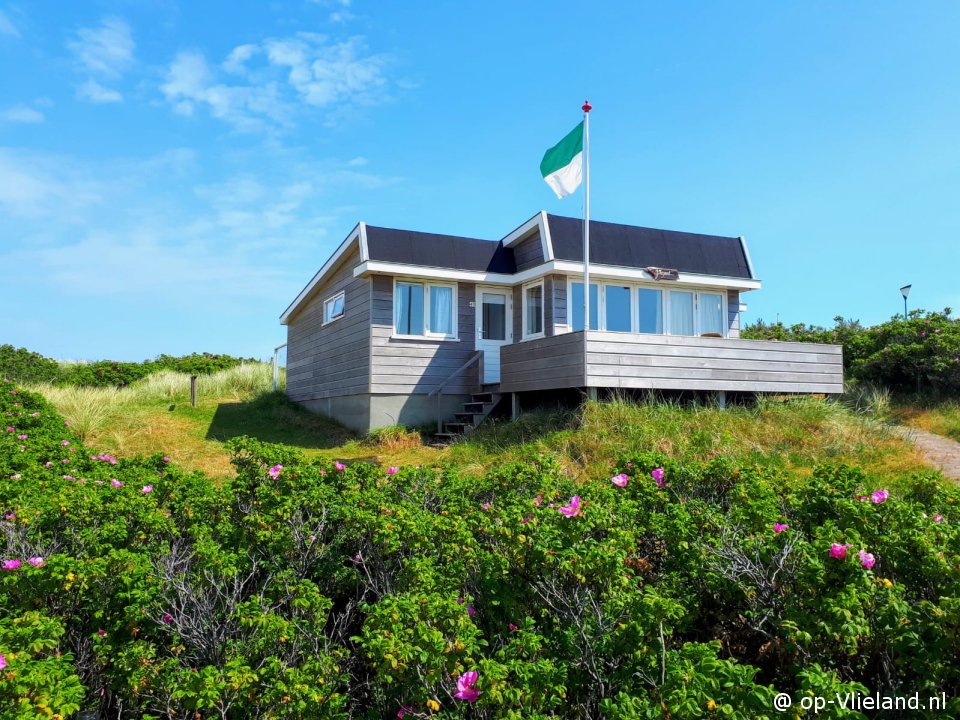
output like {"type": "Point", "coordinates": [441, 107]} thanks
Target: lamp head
{"type": "Point", "coordinates": [905, 290]}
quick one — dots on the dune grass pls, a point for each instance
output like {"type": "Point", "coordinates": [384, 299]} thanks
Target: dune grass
{"type": "Point", "coordinates": [155, 415]}
{"type": "Point", "coordinates": [942, 419]}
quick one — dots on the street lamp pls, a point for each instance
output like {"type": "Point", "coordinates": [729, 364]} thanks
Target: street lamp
{"type": "Point", "coordinates": [905, 290]}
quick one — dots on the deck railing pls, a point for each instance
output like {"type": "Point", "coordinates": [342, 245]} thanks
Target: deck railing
{"type": "Point", "coordinates": [666, 362]}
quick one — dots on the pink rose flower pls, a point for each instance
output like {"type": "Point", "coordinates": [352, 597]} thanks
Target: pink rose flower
{"type": "Point", "coordinates": [571, 509]}
{"type": "Point", "coordinates": [938, 518]}
{"type": "Point", "coordinates": [465, 687]}
{"type": "Point", "coordinates": [538, 501]}
{"type": "Point", "coordinates": [37, 561]}
{"type": "Point", "coordinates": [486, 506]}
{"type": "Point", "coordinates": [779, 527]}
{"type": "Point", "coordinates": [620, 480]}
{"type": "Point", "coordinates": [167, 618]}
{"type": "Point", "coordinates": [339, 465]}
{"type": "Point", "coordinates": [274, 472]}
{"type": "Point", "coordinates": [11, 564]}
{"type": "Point", "coordinates": [392, 470]}
{"type": "Point", "coordinates": [146, 489]}
{"type": "Point", "coordinates": [866, 559]}
{"type": "Point", "coordinates": [116, 483]}
{"type": "Point", "coordinates": [838, 551]}
{"type": "Point", "coordinates": [879, 496]}
{"type": "Point", "coordinates": [657, 475]}
{"type": "Point", "coordinates": [3, 660]}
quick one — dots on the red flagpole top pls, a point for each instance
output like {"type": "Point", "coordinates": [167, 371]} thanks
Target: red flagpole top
{"type": "Point", "coordinates": [587, 107]}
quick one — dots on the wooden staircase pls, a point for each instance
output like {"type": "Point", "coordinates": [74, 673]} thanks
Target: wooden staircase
{"type": "Point", "coordinates": [480, 405]}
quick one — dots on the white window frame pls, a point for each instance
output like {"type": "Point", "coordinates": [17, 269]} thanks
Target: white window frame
{"type": "Point", "coordinates": [664, 308]}
{"type": "Point", "coordinates": [454, 335]}
{"type": "Point", "coordinates": [330, 301]}
{"type": "Point", "coordinates": [524, 313]}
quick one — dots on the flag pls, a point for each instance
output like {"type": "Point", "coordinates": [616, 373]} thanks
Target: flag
{"type": "Point", "coordinates": [562, 165]}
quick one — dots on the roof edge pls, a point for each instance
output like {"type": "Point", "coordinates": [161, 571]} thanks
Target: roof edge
{"type": "Point", "coordinates": [358, 235]}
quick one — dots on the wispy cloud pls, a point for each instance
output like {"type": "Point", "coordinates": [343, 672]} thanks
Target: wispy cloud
{"type": "Point", "coordinates": [21, 114]}
{"type": "Point", "coordinates": [7, 27]}
{"type": "Point", "coordinates": [95, 92]}
{"type": "Point", "coordinates": [281, 75]}
{"type": "Point", "coordinates": [103, 53]}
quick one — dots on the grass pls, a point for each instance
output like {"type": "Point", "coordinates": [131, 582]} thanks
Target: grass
{"type": "Point", "coordinates": [155, 415]}
{"type": "Point", "coordinates": [942, 419]}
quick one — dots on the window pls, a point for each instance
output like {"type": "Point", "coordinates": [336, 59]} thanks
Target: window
{"type": "Point", "coordinates": [533, 310]}
{"type": "Point", "coordinates": [494, 316]}
{"type": "Point", "coordinates": [333, 308]}
{"type": "Point", "coordinates": [650, 311]}
{"type": "Point", "coordinates": [710, 307]}
{"type": "Point", "coordinates": [616, 316]}
{"type": "Point", "coordinates": [681, 312]}
{"type": "Point", "coordinates": [424, 309]}
{"type": "Point", "coordinates": [576, 306]}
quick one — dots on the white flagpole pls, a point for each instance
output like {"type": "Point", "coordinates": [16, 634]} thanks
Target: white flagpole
{"type": "Point", "coordinates": [586, 218]}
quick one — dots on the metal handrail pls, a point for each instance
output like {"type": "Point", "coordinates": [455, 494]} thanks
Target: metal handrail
{"type": "Point", "coordinates": [438, 390]}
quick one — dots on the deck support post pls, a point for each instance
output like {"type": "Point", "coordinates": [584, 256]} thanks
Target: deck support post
{"type": "Point", "coordinates": [592, 394]}
{"type": "Point", "coordinates": [514, 406]}
{"type": "Point", "coordinates": [721, 399]}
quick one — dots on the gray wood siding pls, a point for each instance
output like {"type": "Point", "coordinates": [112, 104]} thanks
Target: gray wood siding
{"type": "Point", "coordinates": [733, 313]}
{"type": "Point", "coordinates": [517, 313]}
{"type": "Point", "coordinates": [559, 300]}
{"type": "Point", "coordinates": [616, 360]}
{"type": "Point", "coordinates": [543, 364]}
{"type": "Point", "coordinates": [401, 366]}
{"type": "Point", "coordinates": [332, 360]}
{"type": "Point", "coordinates": [528, 252]}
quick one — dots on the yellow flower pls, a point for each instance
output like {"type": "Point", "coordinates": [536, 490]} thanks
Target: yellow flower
{"type": "Point", "coordinates": [433, 705]}
{"type": "Point", "coordinates": [711, 704]}
{"type": "Point", "coordinates": [887, 584]}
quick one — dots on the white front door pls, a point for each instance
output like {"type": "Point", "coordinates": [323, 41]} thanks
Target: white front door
{"type": "Point", "coordinates": [494, 327]}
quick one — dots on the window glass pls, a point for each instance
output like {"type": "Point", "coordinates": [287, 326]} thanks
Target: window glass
{"type": "Point", "coordinates": [333, 308]}
{"type": "Point", "coordinates": [650, 307]}
{"type": "Point", "coordinates": [617, 308]}
{"type": "Point", "coordinates": [441, 310]}
{"type": "Point", "coordinates": [408, 309]}
{"type": "Point", "coordinates": [534, 300]}
{"type": "Point", "coordinates": [575, 306]}
{"type": "Point", "coordinates": [494, 317]}
{"type": "Point", "coordinates": [711, 313]}
{"type": "Point", "coordinates": [681, 312]}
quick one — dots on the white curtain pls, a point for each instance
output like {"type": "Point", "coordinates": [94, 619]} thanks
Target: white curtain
{"type": "Point", "coordinates": [441, 310]}
{"type": "Point", "coordinates": [681, 312]}
{"type": "Point", "coordinates": [711, 313]}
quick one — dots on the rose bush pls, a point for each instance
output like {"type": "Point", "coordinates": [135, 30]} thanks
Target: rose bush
{"type": "Point", "coordinates": [314, 589]}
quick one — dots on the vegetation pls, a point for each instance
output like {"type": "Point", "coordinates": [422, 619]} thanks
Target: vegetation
{"type": "Point", "coordinates": [661, 587]}
{"type": "Point", "coordinates": [942, 419]}
{"type": "Point", "coordinates": [23, 366]}
{"type": "Point", "coordinates": [918, 355]}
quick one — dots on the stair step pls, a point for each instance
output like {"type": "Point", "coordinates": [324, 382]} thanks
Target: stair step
{"type": "Point", "coordinates": [456, 427]}
{"type": "Point", "coordinates": [467, 417]}
{"type": "Point", "coordinates": [475, 408]}
{"type": "Point", "coordinates": [482, 397]}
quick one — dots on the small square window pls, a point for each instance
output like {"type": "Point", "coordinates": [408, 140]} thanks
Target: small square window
{"type": "Point", "coordinates": [333, 308]}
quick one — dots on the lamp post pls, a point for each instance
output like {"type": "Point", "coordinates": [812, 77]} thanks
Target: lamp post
{"type": "Point", "coordinates": [905, 290]}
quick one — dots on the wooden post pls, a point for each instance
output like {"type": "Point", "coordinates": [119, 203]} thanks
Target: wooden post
{"type": "Point", "coordinates": [193, 390]}
{"type": "Point", "coordinates": [592, 394]}
{"type": "Point", "coordinates": [722, 399]}
{"type": "Point", "coordinates": [514, 406]}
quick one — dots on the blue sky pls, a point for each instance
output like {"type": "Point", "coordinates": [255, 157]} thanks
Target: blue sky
{"type": "Point", "coordinates": [173, 173]}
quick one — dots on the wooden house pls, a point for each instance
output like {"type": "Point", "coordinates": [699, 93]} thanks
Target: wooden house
{"type": "Point", "coordinates": [404, 327]}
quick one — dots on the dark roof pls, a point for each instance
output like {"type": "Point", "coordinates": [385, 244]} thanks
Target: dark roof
{"type": "Point", "coordinates": [439, 251]}
{"type": "Point", "coordinates": [640, 247]}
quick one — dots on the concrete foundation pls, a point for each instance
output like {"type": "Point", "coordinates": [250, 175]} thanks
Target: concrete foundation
{"type": "Point", "coordinates": [365, 412]}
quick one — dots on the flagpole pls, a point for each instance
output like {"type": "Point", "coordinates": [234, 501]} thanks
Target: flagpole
{"type": "Point", "coordinates": [586, 232]}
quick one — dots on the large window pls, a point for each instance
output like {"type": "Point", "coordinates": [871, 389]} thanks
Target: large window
{"type": "Point", "coordinates": [710, 306]}
{"type": "Point", "coordinates": [621, 307]}
{"type": "Point", "coordinates": [424, 309]}
{"type": "Point", "coordinates": [533, 310]}
{"type": "Point", "coordinates": [616, 308]}
{"type": "Point", "coordinates": [333, 308]}
{"type": "Point", "coordinates": [681, 312]}
{"type": "Point", "coordinates": [650, 310]}
{"type": "Point", "coordinates": [576, 306]}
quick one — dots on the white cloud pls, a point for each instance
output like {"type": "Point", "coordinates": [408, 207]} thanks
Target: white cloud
{"type": "Point", "coordinates": [95, 92]}
{"type": "Point", "coordinates": [106, 50]}
{"type": "Point", "coordinates": [21, 114]}
{"type": "Point", "coordinates": [305, 69]}
{"type": "Point", "coordinates": [7, 27]}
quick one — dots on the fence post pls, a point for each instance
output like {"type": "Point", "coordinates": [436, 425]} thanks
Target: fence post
{"type": "Point", "coordinates": [193, 390]}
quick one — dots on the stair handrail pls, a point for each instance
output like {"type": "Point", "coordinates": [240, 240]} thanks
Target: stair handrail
{"type": "Point", "coordinates": [438, 390]}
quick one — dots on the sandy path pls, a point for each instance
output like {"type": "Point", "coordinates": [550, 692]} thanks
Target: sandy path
{"type": "Point", "coordinates": [941, 452]}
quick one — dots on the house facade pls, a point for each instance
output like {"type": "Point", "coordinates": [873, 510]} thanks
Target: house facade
{"type": "Point", "coordinates": [403, 327]}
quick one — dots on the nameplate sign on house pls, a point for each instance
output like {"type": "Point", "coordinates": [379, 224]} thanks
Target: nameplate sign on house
{"type": "Point", "coordinates": [663, 273]}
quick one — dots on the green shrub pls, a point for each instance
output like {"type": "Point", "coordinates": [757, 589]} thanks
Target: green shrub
{"type": "Point", "coordinates": [23, 366]}
{"type": "Point", "coordinates": [313, 589]}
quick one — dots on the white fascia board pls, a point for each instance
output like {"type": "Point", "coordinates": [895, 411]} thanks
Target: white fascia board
{"type": "Point", "coordinates": [545, 238]}
{"type": "Point", "coordinates": [364, 252]}
{"type": "Point", "coordinates": [521, 232]}
{"type": "Point", "coordinates": [623, 273]}
{"type": "Point", "coordinates": [358, 234]}
{"type": "Point", "coordinates": [746, 254]}
{"type": "Point", "coordinates": [419, 271]}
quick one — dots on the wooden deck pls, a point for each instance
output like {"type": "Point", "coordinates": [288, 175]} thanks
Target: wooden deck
{"type": "Point", "coordinates": [660, 362]}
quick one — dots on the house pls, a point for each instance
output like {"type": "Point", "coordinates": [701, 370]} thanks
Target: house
{"type": "Point", "coordinates": [404, 327]}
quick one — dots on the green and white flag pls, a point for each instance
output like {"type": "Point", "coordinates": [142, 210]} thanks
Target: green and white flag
{"type": "Point", "coordinates": [562, 165]}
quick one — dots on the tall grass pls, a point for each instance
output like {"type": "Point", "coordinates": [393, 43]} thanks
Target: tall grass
{"type": "Point", "coordinates": [88, 410]}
